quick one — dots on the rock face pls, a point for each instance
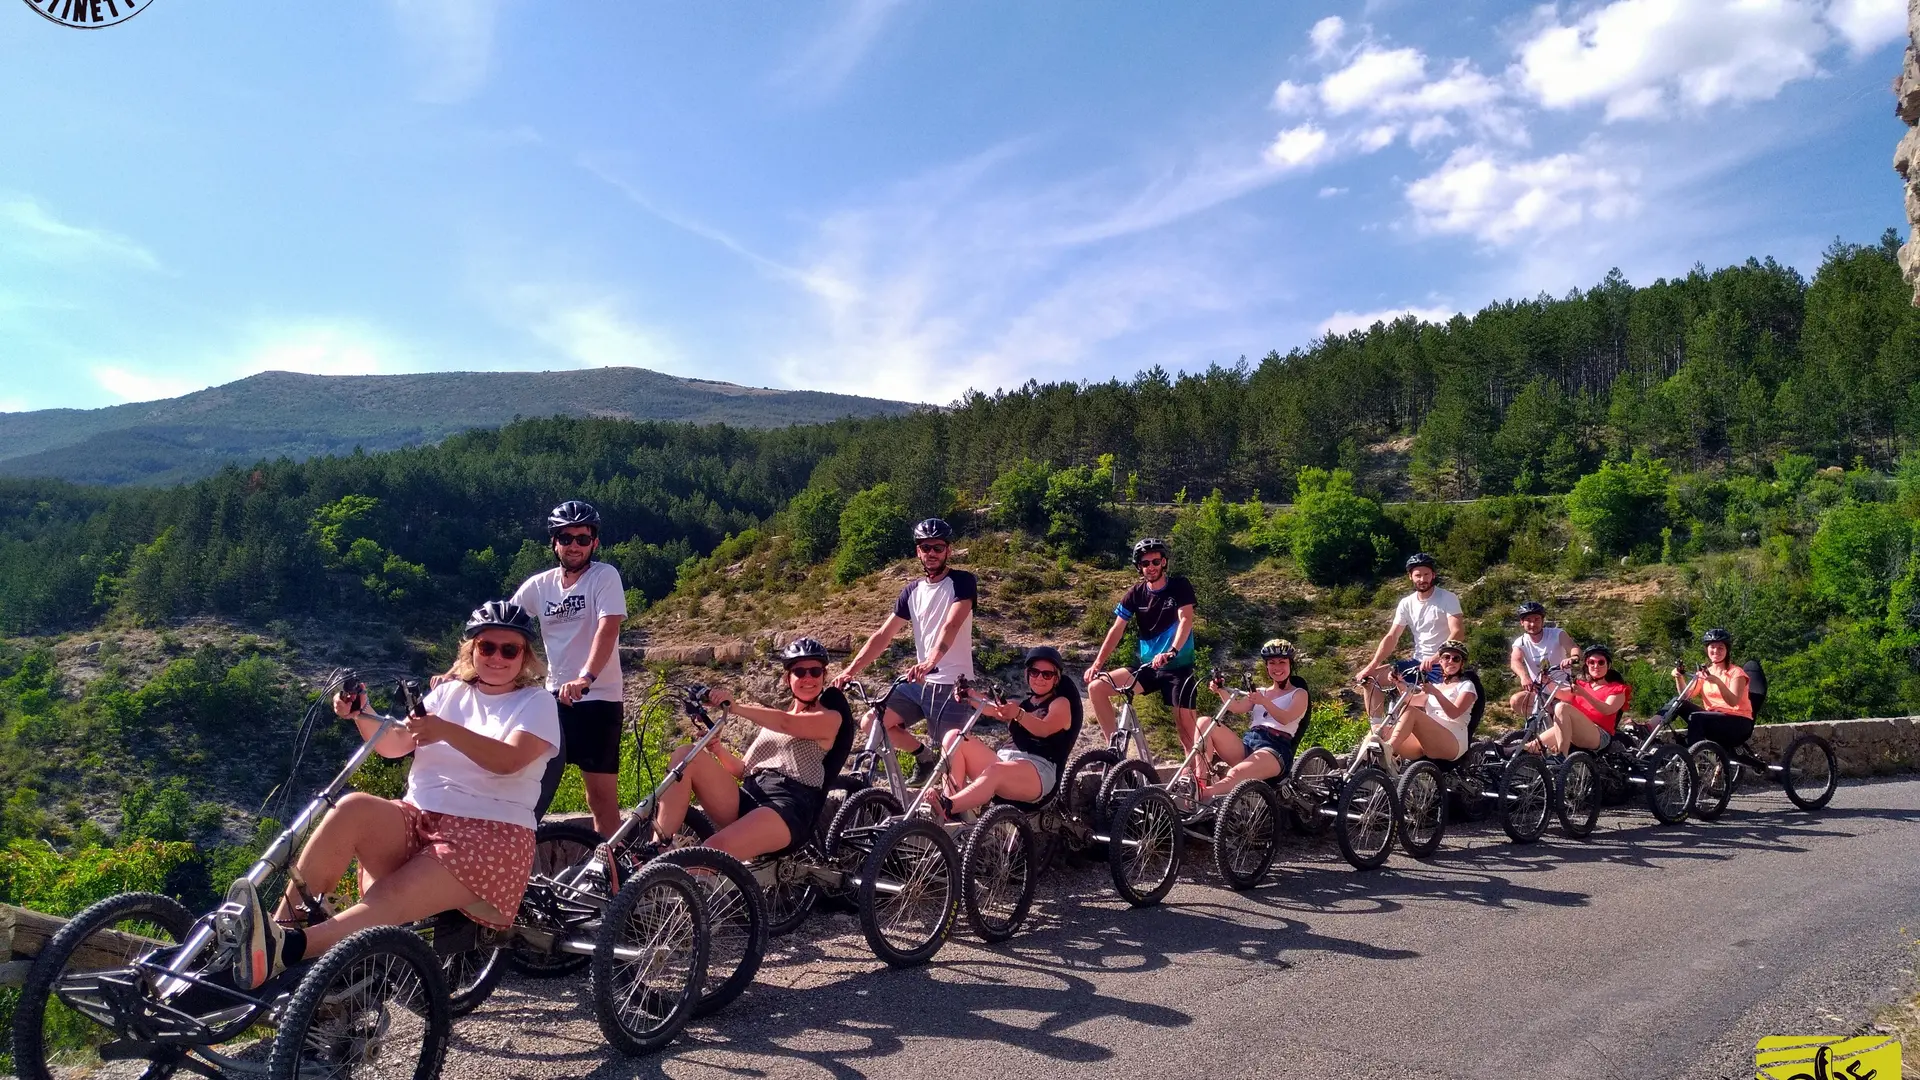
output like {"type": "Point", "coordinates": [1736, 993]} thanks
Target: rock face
{"type": "Point", "coordinates": [1906, 104]}
{"type": "Point", "coordinates": [1863, 747]}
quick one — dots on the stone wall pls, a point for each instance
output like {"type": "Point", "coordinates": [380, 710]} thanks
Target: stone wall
{"type": "Point", "coordinates": [1906, 156]}
{"type": "Point", "coordinates": [1864, 747]}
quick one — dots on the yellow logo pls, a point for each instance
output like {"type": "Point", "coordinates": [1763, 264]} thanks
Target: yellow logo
{"type": "Point", "coordinates": [1827, 1057]}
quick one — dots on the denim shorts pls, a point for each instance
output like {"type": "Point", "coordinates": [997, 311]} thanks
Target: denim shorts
{"type": "Point", "coordinates": [1265, 738]}
{"type": "Point", "coordinates": [1048, 774]}
{"type": "Point", "coordinates": [1406, 668]}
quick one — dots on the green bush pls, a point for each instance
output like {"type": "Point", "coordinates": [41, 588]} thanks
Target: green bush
{"type": "Point", "coordinates": [1019, 496]}
{"type": "Point", "coordinates": [1338, 535]}
{"type": "Point", "coordinates": [813, 520]}
{"type": "Point", "coordinates": [1203, 546]}
{"type": "Point", "coordinates": [35, 876]}
{"type": "Point", "coordinates": [1075, 501]}
{"type": "Point", "coordinates": [1622, 507]}
{"type": "Point", "coordinates": [1858, 552]}
{"type": "Point", "coordinates": [874, 528]}
{"type": "Point", "coordinates": [1329, 725]}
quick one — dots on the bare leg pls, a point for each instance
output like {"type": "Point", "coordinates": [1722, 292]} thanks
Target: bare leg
{"type": "Point", "coordinates": [1015, 780]}
{"type": "Point", "coordinates": [1224, 746]}
{"type": "Point", "coordinates": [898, 734]}
{"type": "Point", "coordinates": [719, 794]}
{"type": "Point", "coordinates": [1259, 765]}
{"type": "Point", "coordinates": [420, 888]}
{"type": "Point", "coordinates": [1420, 735]}
{"type": "Point", "coordinates": [1521, 703]}
{"type": "Point", "coordinates": [603, 798]}
{"type": "Point", "coordinates": [755, 833]}
{"type": "Point", "coordinates": [967, 759]}
{"type": "Point", "coordinates": [1575, 730]}
{"type": "Point", "coordinates": [1100, 696]}
{"type": "Point", "coordinates": [360, 826]}
{"type": "Point", "coordinates": [1183, 722]}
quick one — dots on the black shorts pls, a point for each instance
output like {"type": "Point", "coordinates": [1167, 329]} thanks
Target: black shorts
{"type": "Point", "coordinates": [1726, 729]}
{"type": "Point", "coordinates": [590, 735]}
{"type": "Point", "coordinates": [1178, 687]}
{"type": "Point", "coordinates": [797, 804]}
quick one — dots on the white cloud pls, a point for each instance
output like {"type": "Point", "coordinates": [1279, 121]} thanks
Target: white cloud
{"type": "Point", "coordinates": [1373, 75]}
{"type": "Point", "coordinates": [1326, 35]}
{"type": "Point", "coordinates": [1297, 147]}
{"type": "Point", "coordinates": [32, 229]}
{"type": "Point", "coordinates": [829, 58]}
{"type": "Point", "coordinates": [128, 384]}
{"type": "Point", "coordinates": [1498, 201]}
{"type": "Point", "coordinates": [1291, 97]}
{"type": "Point", "coordinates": [321, 347]}
{"type": "Point", "coordinates": [1634, 55]}
{"type": "Point", "coordinates": [597, 333]}
{"type": "Point", "coordinates": [1425, 131]}
{"type": "Point", "coordinates": [1331, 192]}
{"type": "Point", "coordinates": [452, 41]}
{"type": "Point", "coordinates": [1868, 24]}
{"type": "Point", "coordinates": [13, 404]}
{"type": "Point", "coordinates": [1377, 138]}
{"type": "Point", "coordinates": [1345, 322]}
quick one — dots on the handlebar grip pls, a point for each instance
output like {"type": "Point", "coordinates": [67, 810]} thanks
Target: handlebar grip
{"type": "Point", "coordinates": [413, 694]}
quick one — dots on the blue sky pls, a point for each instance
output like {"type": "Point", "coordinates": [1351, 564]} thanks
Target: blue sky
{"type": "Point", "coordinates": [887, 197]}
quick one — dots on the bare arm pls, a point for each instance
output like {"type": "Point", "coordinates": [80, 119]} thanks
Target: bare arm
{"type": "Point", "coordinates": [606, 638]}
{"type": "Point", "coordinates": [1456, 627]}
{"type": "Point", "coordinates": [1385, 648]}
{"type": "Point", "coordinates": [1447, 704]}
{"type": "Point", "coordinates": [819, 725]}
{"type": "Point", "coordinates": [1517, 663]}
{"type": "Point", "coordinates": [396, 743]}
{"type": "Point", "coordinates": [519, 750]}
{"type": "Point", "coordinates": [1057, 718]}
{"type": "Point", "coordinates": [876, 644]}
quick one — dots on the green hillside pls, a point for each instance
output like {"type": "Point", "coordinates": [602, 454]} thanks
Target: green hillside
{"type": "Point", "coordinates": [282, 414]}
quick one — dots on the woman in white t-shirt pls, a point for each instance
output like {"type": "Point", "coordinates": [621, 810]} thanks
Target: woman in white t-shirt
{"type": "Point", "coordinates": [1276, 713]}
{"type": "Point", "coordinates": [1434, 723]}
{"type": "Point", "coordinates": [463, 835]}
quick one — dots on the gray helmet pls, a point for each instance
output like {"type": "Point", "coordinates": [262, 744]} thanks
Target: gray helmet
{"type": "Point", "coordinates": [1454, 646]}
{"type": "Point", "coordinates": [1719, 634]}
{"type": "Point", "coordinates": [1277, 649]}
{"type": "Point", "coordinates": [571, 515]}
{"type": "Point", "coordinates": [1421, 558]}
{"type": "Point", "coordinates": [1531, 607]}
{"type": "Point", "coordinates": [1150, 543]}
{"type": "Point", "coordinates": [1048, 653]}
{"type": "Point", "coordinates": [498, 615]}
{"type": "Point", "coordinates": [805, 648]}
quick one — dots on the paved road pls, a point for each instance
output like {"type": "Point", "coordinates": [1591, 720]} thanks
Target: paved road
{"type": "Point", "coordinates": [1644, 952]}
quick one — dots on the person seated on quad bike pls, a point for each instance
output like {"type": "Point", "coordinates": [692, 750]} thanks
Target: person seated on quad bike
{"type": "Point", "coordinates": [1434, 723]}
{"type": "Point", "coordinates": [462, 837]}
{"type": "Point", "coordinates": [1586, 714]}
{"type": "Point", "coordinates": [1727, 716]}
{"type": "Point", "coordinates": [1265, 752]}
{"type": "Point", "coordinates": [1044, 726]}
{"type": "Point", "coordinates": [766, 799]}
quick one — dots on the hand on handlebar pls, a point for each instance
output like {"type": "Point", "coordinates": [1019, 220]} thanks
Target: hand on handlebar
{"type": "Point", "coordinates": [424, 727]}
{"type": "Point", "coordinates": [919, 672]}
{"type": "Point", "coordinates": [349, 704]}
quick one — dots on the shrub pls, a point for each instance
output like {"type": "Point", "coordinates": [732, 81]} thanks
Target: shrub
{"type": "Point", "coordinates": [874, 527]}
{"type": "Point", "coordinates": [1329, 725]}
{"type": "Point", "coordinates": [1622, 507]}
{"type": "Point", "coordinates": [813, 520]}
{"type": "Point", "coordinates": [1019, 496]}
{"type": "Point", "coordinates": [1202, 544]}
{"type": "Point", "coordinates": [1858, 552]}
{"type": "Point", "coordinates": [1338, 535]}
{"type": "Point", "coordinates": [1074, 501]}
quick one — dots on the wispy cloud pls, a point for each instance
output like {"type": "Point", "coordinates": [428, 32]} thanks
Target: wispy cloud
{"type": "Point", "coordinates": [321, 347]}
{"type": "Point", "coordinates": [1345, 322]}
{"type": "Point", "coordinates": [130, 384]}
{"type": "Point", "coordinates": [34, 230]}
{"type": "Point", "coordinates": [825, 62]}
{"type": "Point", "coordinates": [452, 41]}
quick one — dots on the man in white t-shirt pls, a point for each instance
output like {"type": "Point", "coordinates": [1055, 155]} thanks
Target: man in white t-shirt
{"type": "Point", "coordinates": [1431, 613]}
{"type": "Point", "coordinates": [939, 609]}
{"type": "Point", "coordinates": [1538, 647]}
{"type": "Point", "coordinates": [580, 604]}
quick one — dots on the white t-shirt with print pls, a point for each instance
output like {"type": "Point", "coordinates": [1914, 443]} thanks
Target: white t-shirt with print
{"type": "Point", "coordinates": [446, 781]}
{"type": "Point", "coordinates": [568, 619]}
{"type": "Point", "coordinates": [1265, 719]}
{"type": "Point", "coordinates": [1550, 649]}
{"type": "Point", "coordinates": [925, 604]}
{"type": "Point", "coordinates": [1427, 619]}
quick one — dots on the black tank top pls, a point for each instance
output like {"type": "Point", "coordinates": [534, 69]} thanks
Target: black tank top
{"type": "Point", "coordinates": [1057, 746]}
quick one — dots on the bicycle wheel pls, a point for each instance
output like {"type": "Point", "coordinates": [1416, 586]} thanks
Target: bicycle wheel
{"type": "Point", "coordinates": [1526, 798]}
{"type": "Point", "coordinates": [558, 846]}
{"type": "Point", "coordinates": [1713, 774]}
{"type": "Point", "coordinates": [110, 934]}
{"type": "Point", "coordinates": [1246, 834]}
{"type": "Point", "coordinates": [1143, 850]}
{"type": "Point", "coordinates": [1579, 802]}
{"type": "Point", "coordinates": [856, 826]}
{"type": "Point", "coordinates": [1365, 815]}
{"type": "Point", "coordinates": [1423, 809]}
{"type": "Point", "coordinates": [908, 898]}
{"type": "Point", "coordinates": [1809, 772]}
{"type": "Point", "coordinates": [1129, 776]}
{"type": "Point", "coordinates": [1670, 783]}
{"type": "Point", "coordinates": [736, 920]}
{"type": "Point", "coordinates": [373, 1005]}
{"type": "Point", "coordinates": [1312, 782]}
{"type": "Point", "coordinates": [650, 959]}
{"type": "Point", "coordinates": [1471, 802]}
{"type": "Point", "coordinates": [998, 873]}
{"type": "Point", "coordinates": [471, 974]}
{"type": "Point", "coordinates": [1079, 794]}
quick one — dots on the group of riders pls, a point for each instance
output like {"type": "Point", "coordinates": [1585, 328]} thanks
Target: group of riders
{"type": "Point", "coordinates": [501, 724]}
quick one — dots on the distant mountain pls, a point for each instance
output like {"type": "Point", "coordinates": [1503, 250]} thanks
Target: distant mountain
{"type": "Point", "coordinates": [280, 413]}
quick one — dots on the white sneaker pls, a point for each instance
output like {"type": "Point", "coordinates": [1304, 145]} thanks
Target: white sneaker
{"type": "Point", "coordinates": [256, 940]}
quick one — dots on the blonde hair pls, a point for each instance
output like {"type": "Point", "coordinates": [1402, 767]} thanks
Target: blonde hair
{"type": "Point", "coordinates": [533, 669]}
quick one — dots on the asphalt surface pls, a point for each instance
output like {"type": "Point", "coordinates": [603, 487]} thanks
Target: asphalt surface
{"type": "Point", "coordinates": [1642, 952]}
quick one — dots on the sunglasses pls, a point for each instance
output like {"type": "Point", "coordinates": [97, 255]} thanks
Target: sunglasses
{"type": "Point", "coordinates": [1042, 673]}
{"type": "Point", "coordinates": [1151, 562]}
{"type": "Point", "coordinates": [932, 549]}
{"type": "Point", "coordinates": [574, 540]}
{"type": "Point", "coordinates": [507, 651]}
{"type": "Point", "coordinates": [807, 671]}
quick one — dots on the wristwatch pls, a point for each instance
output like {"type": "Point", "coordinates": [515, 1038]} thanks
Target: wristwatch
{"type": "Point", "coordinates": [589, 676]}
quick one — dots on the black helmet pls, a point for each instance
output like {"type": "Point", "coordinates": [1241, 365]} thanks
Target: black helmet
{"type": "Point", "coordinates": [1048, 653]}
{"type": "Point", "coordinates": [1454, 646]}
{"type": "Point", "coordinates": [799, 649]}
{"type": "Point", "coordinates": [933, 529]}
{"type": "Point", "coordinates": [1597, 650]}
{"type": "Point", "coordinates": [1150, 543]}
{"type": "Point", "coordinates": [571, 515]}
{"type": "Point", "coordinates": [1531, 607]}
{"type": "Point", "coordinates": [1276, 649]}
{"type": "Point", "coordinates": [1421, 558]}
{"type": "Point", "coordinates": [1719, 634]}
{"type": "Point", "coordinates": [498, 615]}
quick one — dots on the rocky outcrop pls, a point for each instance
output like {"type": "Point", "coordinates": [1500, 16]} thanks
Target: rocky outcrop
{"type": "Point", "coordinates": [1868, 747]}
{"type": "Point", "coordinates": [1906, 105]}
